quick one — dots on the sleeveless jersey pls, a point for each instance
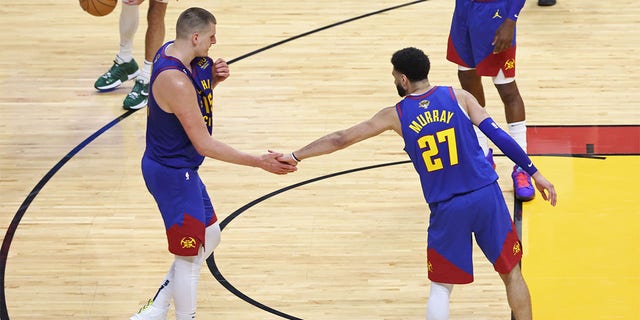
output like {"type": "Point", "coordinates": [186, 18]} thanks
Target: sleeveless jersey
{"type": "Point", "coordinates": [442, 144]}
{"type": "Point", "coordinates": [167, 142]}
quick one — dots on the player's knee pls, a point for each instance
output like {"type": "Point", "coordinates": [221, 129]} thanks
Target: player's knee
{"type": "Point", "coordinates": [512, 276]}
{"type": "Point", "coordinates": [212, 238]}
{"type": "Point", "coordinates": [502, 79]}
{"type": "Point", "coordinates": [509, 94]}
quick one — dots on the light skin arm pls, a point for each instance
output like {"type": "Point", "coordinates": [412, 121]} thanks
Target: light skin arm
{"type": "Point", "coordinates": [477, 114]}
{"type": "Point", "coordinates": [385, 119]}
{"type": "Point", "coordinates": [175, 94]}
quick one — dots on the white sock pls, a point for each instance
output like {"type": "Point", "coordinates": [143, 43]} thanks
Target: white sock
{"type": "Point", "coordinates": [162, 299]}
{"type": "Point", "coordinates": [518, 131]}
{"type": "Point", "coordinates": [482, 140]}
{"type": "Point", "coordinates": [187, 275]}
{"type": "Point", "coordinates": [145, 72]}
{"type": "Point", "coordinates": [438, 305]}
{"type": "Point", "coordinates": [128, 26]}
{"type": "Point", "coordinates": [185, 285]}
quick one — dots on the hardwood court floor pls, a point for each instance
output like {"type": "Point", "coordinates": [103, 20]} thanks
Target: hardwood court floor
{"type": "Point", "coordinates": [89, 243]}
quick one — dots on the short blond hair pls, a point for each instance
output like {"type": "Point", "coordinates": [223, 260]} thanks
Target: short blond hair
{"type": "Point", "coordinates": [193, 20]}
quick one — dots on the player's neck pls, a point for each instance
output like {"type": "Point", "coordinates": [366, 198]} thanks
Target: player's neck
{"type": "Point", "coordinates": [176, 50]}
{"type": "Point", "coordinates": [420, 87]}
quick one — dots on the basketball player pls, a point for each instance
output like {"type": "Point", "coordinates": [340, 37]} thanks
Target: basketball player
{"type": "Point", "coordinates": [482, 41]}
{"type": "Point", "coordinates": [459, 184]}
{"type": "Point", "coordinates": [124, 66]}
{"type": "Point", "coordinates": [178, 138]}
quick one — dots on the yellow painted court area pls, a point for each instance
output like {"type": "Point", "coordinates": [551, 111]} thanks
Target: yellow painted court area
{"type": "Point", "coordinates": [582, 258]}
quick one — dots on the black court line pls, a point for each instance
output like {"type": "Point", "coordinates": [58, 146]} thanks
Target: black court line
{"type": "Point", "coordinates": [13, 226]}
{"type": "Point", "coordinates": [325, 28]}
{"type": "Point", "coordinates": [215, 271]}
{"type": "Point", "coordinates": [6, 244]}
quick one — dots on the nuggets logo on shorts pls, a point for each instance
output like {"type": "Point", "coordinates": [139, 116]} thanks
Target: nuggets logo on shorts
{"type": "Point", "coordinates": [510, 64]}
{"type": "Point", "coordinates": [516, 248]}
{"type": "Point", "coordinates": [429, 266]}
{"type": "Point", "coordinates": [187, 243]}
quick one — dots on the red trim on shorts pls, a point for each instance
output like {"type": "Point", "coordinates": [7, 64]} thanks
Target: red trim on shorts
{"type": "Point", "coordinates": [511, 253]}
{"type": "Point", "coordinates": [186, 239]}
{"type": "Point", "coordinates": [452, 54]}
{"type": "Point", "coordinates": [505, 60]}
{"type": "Point", "coordinates": [442, 270]}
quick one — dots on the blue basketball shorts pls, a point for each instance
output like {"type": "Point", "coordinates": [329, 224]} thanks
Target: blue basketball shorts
{"type": "Point", "coordinates": [482, 213]}
{"type": "Point", "coordinates": [184, 204]}
{"type": "Point", "coordinates": [473, 28]}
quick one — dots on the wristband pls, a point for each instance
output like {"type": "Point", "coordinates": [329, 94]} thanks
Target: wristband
{"type": "Point", "coordinates": [294, 157]}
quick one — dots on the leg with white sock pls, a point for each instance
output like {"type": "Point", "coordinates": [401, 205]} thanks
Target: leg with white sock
{"type": "Point", "coordinates": [513, 108]}
{"type": "Point", "coordinates": [139, 95]}
{"type": "Point", "coordinates": [128, 25]}
{"type": "Point", "coordinates": [124, 66]}
{"type": "Point", "coordinates": [518, 131]}
{"type": "Point", "coordinates": [162, 299]}
{"type": "Point", "coordinates": [438, 305]}
{"type": "Point", "coordinates": [154, 36]}
{"type": "Point", "coordinates": [187, 275]}
{"type": "Point", "coordinates": [515, 113]}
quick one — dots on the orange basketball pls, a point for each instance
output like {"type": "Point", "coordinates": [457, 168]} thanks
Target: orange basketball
{"type": "Point", "coordinates": [98, 8]}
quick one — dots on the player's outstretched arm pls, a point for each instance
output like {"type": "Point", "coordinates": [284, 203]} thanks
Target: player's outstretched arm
{"type": "Point", "coordinates": [175, 93]}
{"type": "Point", "coordinates": [385, 119]}
{"type": "Point", "coordinates": [504, 142]}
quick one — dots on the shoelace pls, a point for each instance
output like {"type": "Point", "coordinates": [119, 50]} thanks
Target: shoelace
{"type": "Point", "coordinates": [134, 94]}
{"type": "Point", "coordinates": [116, 70]}
{"type": "Point", "coordinates": [522, 180]}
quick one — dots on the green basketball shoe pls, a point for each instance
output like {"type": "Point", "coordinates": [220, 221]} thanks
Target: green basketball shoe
{"type": "Point", "coordinates": [138, 96]}
{"type": "Point", "coordinates": [119, 73]}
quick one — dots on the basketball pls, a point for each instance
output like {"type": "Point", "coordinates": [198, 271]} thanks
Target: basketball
{"type": "Point", "coordinates": [98, 8]}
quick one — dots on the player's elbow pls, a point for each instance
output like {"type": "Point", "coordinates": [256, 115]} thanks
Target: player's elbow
{"type": "Point", "coordinates": [203, 149]}
{"type": "Point", "coordinates": [340, 140]}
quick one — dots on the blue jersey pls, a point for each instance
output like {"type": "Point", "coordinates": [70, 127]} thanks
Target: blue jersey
{"type": "Point", "coordinates": [167, 142]}
{"type": "Point", "coordinates": [442, 144]}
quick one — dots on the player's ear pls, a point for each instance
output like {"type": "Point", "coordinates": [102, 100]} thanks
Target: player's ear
{"type": "Point", "coordinates": [194, 38]}
{"type": "Point", "coordinates": [404, 80]}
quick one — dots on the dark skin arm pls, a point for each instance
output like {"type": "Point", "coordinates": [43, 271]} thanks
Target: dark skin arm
{"type": "Point", "coordinates": [504, 36]}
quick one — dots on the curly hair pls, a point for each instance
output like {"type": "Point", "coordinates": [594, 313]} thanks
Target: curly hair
{"type": "Point", "coordinates": [411, 62]}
